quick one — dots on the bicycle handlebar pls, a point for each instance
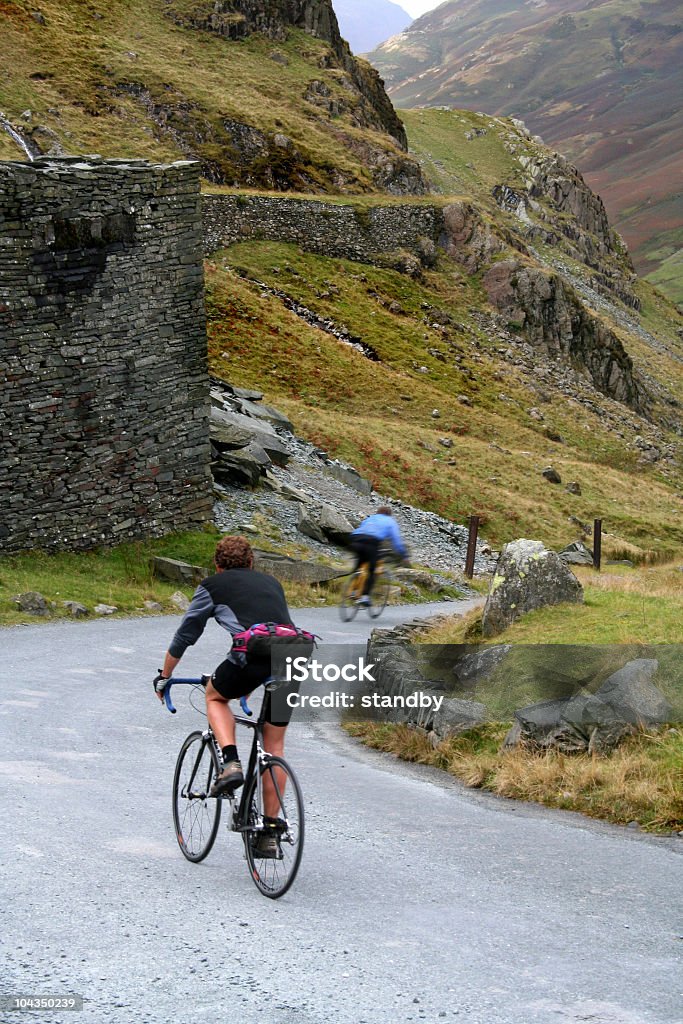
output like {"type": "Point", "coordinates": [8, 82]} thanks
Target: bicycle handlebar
{"type": "Point", "coordinates": [202, 681]}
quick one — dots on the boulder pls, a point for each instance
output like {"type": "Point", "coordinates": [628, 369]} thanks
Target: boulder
{"type": "Point", "coordinates": [593, 722]}
{"type": "Point", "coordinates": [178, 572]}
{"type": "Point", "coordinates": [456, 716]}
{"type": "Point", "coordinates": [598, 726]}
{"type": "Point", "coordinates": [573, 487]}
{"type": "Point", "coordinates": [33, 603]}
{"type": "Point", "coordinates": [419, 578]}
{"type": "Point", "coordinates": [294, 570]}
{"type": "Point", "coordinates": [576, 554]}
{"type": "Point", "coordinates": [350, 477]}
{"type": "Point", "coordinates": [552, 476]}
{"type": "Point", "coordinates": [631, 693]}
{"type": "Point", "coordinates": [105, 609]}
{"type": "Point", "coordinates": [479, 664]}
{"type": "Point", "coordinates": [244, 466]}
{"type": "Point", "coordinates": [179, 600]}
{"type": "Point", "coordinates": [226, 432]}
{"type": "Point", "coordinates": [323, 523]}
{"type": "Point", "coordinates": [539, 721]}
{"type": "Point", "coordinates": [528, 576]}
{"type": "Point", "coordinates": [76, 609]}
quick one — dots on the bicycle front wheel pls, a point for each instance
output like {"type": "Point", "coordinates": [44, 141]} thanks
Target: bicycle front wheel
{"type": "Point", "coordinates": [196, 815]}
{"type": "Point", "coordinates": [380, 596]}
{"type": "Point", "coordinates": [347, 604]}
{"type": "Point", "coordinates": [274, 871]}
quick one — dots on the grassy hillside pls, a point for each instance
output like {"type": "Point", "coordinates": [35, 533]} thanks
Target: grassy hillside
{"type": "Point", "coordinates": [379, 416]}
{"type": "Point", "coordinates": [600, 81]}
{"type": "Point", "coordinates": [139, 78]}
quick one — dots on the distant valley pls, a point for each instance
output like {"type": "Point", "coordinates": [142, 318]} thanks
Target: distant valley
{"type": "Point", "coordinates": [601, 81]}
{"type": "Point", "coordinates": [365, 25]}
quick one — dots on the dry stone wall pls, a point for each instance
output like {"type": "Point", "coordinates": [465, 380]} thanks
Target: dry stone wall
{"type": "Point", "coordinates": [104, 406]}
{"type": "Point", "coordinates": [345, 231]}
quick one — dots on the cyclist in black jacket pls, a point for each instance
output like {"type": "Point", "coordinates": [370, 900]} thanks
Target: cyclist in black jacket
{"type": "Point", "coordinates": [237, 597]}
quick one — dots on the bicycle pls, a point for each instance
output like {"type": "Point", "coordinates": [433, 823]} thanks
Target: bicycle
{"type": "Point", "coordinates": [354, 589]}
{"type": "Point", "coordinates": [197, 815]}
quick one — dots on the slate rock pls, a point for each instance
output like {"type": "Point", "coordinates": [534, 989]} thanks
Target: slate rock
{"type": "Point", "coordinates": [105, 609]}
{"type": "Point", "coordinates": [243, 467]}
{"type": "Point", "coordinates": [552, 476]}
{"type": "Point", "coordinates": [576, 553]}
{"type": "Point", "coordinates": [296, 570]}
{"type": "Point", "coordinates": [178, 572]}
{"type": "Point", "coordinates": [323, 523]}
{"type": "Point", "coordinates": [76, 609]}
{"type": "Point", "coordinates": [349, 476]}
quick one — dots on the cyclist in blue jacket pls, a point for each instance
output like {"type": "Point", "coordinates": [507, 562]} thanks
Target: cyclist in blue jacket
{"type": "Point", "coordinates": [366, 540]}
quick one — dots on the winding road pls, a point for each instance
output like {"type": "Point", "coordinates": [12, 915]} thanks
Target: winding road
{"type": "Point", "coordinates": [417, 900]}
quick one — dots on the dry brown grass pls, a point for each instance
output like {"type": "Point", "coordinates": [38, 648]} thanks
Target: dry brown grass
{"type": "Point", "coordinates": [642, 780]}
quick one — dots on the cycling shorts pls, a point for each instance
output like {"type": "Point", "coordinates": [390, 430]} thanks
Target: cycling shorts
{"type": "Point", "coordinates": [234, 681]}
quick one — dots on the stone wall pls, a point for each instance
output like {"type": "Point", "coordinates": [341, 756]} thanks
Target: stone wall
{"type": "Point", "coordinates": [356, 233]}
{"type": "Point", "coordinates": [104, 403]}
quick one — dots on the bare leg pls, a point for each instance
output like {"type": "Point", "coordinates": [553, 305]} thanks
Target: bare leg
{"type": "Point", "coordinates": [221, 718]}
{"type": "Point", "coordinates": [274, 742]}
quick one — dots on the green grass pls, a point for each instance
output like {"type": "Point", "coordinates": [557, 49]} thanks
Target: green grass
{"type": "Point", "coordinates": [642, 780]}
{"type": "Point", "coordinates": [642, 606]}
{"type": "Point", "coordinates": [120, 576]}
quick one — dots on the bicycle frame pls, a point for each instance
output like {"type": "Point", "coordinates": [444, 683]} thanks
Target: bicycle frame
{"type": "Point", "coordinates": [258, 754]}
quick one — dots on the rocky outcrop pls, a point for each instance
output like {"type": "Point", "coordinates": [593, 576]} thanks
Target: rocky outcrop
{"type": "Point", "coordinates": [367, 104]}
{"type": "Point", "coordinates": [528, 576]}
{"type": "Point", "coordinates": [543, 307]}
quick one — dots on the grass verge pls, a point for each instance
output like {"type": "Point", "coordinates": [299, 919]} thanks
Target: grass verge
{"type": "Point", "coordinates": [642, 780]}
{"type": "Point", "coordinates": [122, 577]}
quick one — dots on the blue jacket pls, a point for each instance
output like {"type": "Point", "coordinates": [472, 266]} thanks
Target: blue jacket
{"type": "Point", "coordinates": [382, 527]}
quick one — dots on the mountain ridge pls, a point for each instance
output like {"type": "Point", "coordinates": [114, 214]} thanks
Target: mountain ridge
{"type": "Point", "coordinates": [600, 81]}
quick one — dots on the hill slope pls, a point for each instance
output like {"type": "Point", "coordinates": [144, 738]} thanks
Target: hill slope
{"type": "Point", "coordinates": [472, 368]}
{"type": "Point", "coordinates": [263, 92]}
{"type": "Point", "coordinates": [601, 81]}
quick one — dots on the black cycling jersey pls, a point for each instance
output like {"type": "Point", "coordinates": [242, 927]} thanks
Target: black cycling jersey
{"type": "Point", "coordinates": [236, 599]}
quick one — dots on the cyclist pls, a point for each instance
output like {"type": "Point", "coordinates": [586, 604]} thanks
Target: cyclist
{"type": "Point", "coordinates": [366, 540]}
{"type": "Point", "coordinates": [237, 597]}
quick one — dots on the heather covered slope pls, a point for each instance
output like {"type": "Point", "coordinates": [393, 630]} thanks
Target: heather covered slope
{"type": "Point", "coordinates": [601, 81]}
{"type": "Point", "coordinates": [263, 92]}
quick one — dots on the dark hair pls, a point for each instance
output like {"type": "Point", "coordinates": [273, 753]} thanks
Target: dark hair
{"type": "Point", "coordinates": [384, 510]}
{"type": "Point", "coordinates": [234, 553]}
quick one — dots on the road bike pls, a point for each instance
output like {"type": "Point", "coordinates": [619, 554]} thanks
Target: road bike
{"type": "Point", "coordinates": [197, 815]}
{"type": "Point", "coordinates": [354, 588]}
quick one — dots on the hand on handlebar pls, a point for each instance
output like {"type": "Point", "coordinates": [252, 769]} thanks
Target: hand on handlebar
{"type": "Point", "coordinates": [160, 683]}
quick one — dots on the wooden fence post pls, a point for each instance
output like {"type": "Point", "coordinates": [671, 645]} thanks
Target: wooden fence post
{"type": "Point", "coordinates": [471, 547]}
{"type": "Point", "coordinates": [597, 543]}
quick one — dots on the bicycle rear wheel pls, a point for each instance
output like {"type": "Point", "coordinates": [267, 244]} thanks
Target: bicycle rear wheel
{"type": "Point", "coordinates": [196, 815]}
{"type": "Point", "coordinates": [274, 875]}
{"type": "Point", "coordinates": [347, 604]}
{"type": "Point", "coordinates": [380, 596]}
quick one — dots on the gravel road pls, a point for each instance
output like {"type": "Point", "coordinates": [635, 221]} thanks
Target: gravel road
{"type": "Point", "coordinates": [416, 900]}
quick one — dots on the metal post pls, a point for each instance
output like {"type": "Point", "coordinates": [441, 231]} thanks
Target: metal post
{"type": "Point", "coordinates": [597, 543]}
{"type": "Point", "coordinates": [471, 547]}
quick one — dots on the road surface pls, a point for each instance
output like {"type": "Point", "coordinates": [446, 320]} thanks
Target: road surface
{"type": "Point", "coordinates": [417, 900]}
